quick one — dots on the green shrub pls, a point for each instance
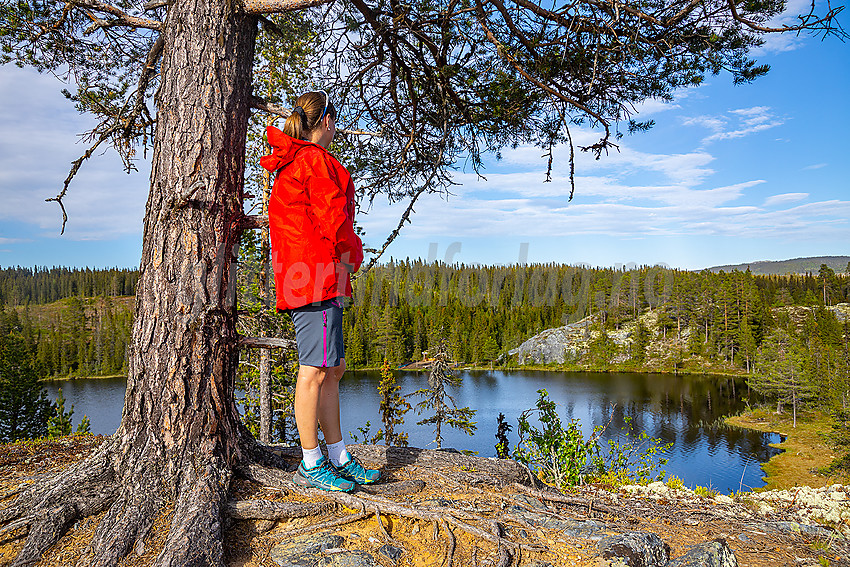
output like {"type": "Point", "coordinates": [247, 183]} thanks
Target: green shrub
{"type": "Point", "coordinates": [637, 457]}
{"type": "Point", "coordinates": [556, 452]}
{"type": "Point", "coordinates": [563, 457]}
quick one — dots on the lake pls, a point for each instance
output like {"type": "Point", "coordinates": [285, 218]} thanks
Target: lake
{"type": "Point", "coordinates": [683, 410]}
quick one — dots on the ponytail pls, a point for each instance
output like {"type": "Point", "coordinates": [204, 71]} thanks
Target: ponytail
{"type": "Point", "coordinates": [310, 109]}
{"type": "Point", "coordinates": [295, 125]}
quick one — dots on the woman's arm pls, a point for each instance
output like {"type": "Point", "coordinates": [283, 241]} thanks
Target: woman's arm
{"type": "Point", "coordinates": [329, 204]}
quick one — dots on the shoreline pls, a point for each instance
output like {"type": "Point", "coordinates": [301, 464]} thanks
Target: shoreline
{"type": "Point", "coordinates": [564, 368]}
{"type": "Point", "coordinates": [804, 452]}
{"type": "Point", "coordinates": [75, 378]}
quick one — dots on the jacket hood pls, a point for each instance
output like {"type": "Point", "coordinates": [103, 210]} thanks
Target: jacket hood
{"type": "Point", "coordinates": [284, 148]}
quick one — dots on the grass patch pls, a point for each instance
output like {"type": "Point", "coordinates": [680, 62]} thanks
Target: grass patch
{"type": "Point", "coordinates": [804, 451]}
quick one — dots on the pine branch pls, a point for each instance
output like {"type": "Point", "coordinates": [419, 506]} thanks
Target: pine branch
{"type": "Point", "coordinates": [120, 17]}
{"type": "Point", "coordinates": [280, 6]}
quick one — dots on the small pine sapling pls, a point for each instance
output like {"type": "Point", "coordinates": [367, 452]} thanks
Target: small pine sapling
{"type": "Point", "coordinates": [435, 399]}
{"type": "Point", "coordinates": [59, 423]}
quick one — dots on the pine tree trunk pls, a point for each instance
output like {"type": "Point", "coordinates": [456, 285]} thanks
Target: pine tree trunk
{"type": "Point", "coordinates": [180, 434]}
{"type": "Point", "coordinates": [794, 405]}
{"type": "Point", "coordinates": [180, 430]}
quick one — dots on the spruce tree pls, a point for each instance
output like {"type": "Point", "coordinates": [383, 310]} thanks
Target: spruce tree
{"type": "Point", "coordinates": [24, 407]}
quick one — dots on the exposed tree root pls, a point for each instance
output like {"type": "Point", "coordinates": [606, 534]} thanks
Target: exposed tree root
{"type": "Point", "coordinates": [363, 502]}
{"type": "Point", "coordinates": [394, 488]}
{"type": "Point", "coordinates": [270, 510]}
{"type": "Point", "coordinates": [504, 555]}
{"type": "Point", "coordinates": [351, 518]}
{"type": "Point", "coordinates": [11, 493]}
{"type": "Point", "coordinates": [203, 503]}
{"type": "Point", "coordinates": [51, 506]}
{"type": "Point", "coordinates": [381, 524]}
{"type": "Point", "coordinates": [585, 506]}
{"type": "Point", "coordinates": [126, 522]}
{"type": "Point", "coordinates": [195, 537]}
{"type": "Point", "coordinates": [25, 522]}
{"type": "Point", "coordinates": [132, 497]}
{"type": "Point", "coordinates": [450, 552]}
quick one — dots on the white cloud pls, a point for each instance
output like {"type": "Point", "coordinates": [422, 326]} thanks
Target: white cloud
{"type": "Point", "coordinates": [736, 123]}
{"type": "Point", "coordinates": [784, 198]}
{"type": "Point", "coordinates": [713, 123]}
{"type": "Point", "coordinates": [653, 106]}
{"type": "Point", "coordinates": [815, 166]}
{"type": "Point", "coordinates": [537, 217]}
{"type": "Point", "coordinates": [630, 195]}
{"type": "Point", "coordinates": [686, 169]}
{"type": "Point", "coordinates": [40, 140]}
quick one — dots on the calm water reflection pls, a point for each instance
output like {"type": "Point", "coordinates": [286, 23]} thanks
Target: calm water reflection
{"type": "Point", "coordinates": [675, 409]}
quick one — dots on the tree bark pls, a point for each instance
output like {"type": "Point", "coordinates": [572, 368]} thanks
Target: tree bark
{"type": "Point", "coordinates": [180, 435]}
{"type": "Point", "coordinates": [180, 432]}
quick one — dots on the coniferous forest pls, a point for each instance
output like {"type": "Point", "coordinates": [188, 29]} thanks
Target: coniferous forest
{"type": "Point", "coordinates": [400, 309]}
{"type": "Point", "coordinates": [77, 322]}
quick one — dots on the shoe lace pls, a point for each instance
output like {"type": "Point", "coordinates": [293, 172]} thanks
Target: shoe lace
{"type": "Point", "coordinates": [353, 466]}
{"type": "Point", "coordinates": [327, 473]}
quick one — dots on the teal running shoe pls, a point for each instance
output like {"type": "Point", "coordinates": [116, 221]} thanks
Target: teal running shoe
{"type": "Point", "coordinates": [355, 472]}
{"type": "Point", "coordinates": [323, 476]}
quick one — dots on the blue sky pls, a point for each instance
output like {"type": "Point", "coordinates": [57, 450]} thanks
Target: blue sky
{"type": "Point", "coordinates": [728, 175]}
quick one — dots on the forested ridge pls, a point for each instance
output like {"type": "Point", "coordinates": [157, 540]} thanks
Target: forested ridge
{"type": "Point", "coordinates": [39, 285]}
{"type": "Point", "coordinates": [77, 321]}
{"type": "Point", "coordinates": [791, 266]}
{"type": "Point", "coordinates": [400, 309]}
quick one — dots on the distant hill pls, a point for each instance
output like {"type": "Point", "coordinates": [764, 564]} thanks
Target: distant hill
{"type": "Point", "coordinates": [795, 266]}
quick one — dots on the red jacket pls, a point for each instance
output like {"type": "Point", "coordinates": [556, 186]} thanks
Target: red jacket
{"type": "Point", "coordinates": [311, 222]}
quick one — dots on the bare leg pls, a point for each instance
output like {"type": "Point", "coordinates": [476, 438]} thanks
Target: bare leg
{"type": "Point", "coordinates": [317, 400]}
{"type": "Point", "coordinates": [308, 388]}
{"type": "Point", "coordinates": [329, 404]}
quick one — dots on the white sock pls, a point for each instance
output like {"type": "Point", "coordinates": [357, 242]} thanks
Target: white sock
{"type": "Point", "coordinates": [311, 456]}
{"type": "Point", "coordinates": [337, 453]}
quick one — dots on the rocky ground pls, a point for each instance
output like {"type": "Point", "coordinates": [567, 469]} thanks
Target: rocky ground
{"type": "Point", "coordinates": [442, 509]}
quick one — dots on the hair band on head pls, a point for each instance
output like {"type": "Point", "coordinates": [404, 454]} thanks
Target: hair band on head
{"type": "Point", "coordinates": [327, 101]}
{"type": "Point", "coordinates": [300, 111]}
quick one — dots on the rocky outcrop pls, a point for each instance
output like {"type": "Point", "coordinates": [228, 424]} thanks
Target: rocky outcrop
{"type": "Point", "coordinates": [570, 342]}
{"type": "Point", "coordinates": [561, 344]}
{"type": "Point", "coordinates": [806, 510]}
{"type": "Point", "coordinates": [323, 550]}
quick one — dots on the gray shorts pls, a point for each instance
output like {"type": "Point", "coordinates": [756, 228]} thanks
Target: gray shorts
{"type": "Point", "coordinates": [318, 333]}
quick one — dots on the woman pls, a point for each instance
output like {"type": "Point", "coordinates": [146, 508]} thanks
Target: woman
{"type": "Point", "coordinates": [314, 251]}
